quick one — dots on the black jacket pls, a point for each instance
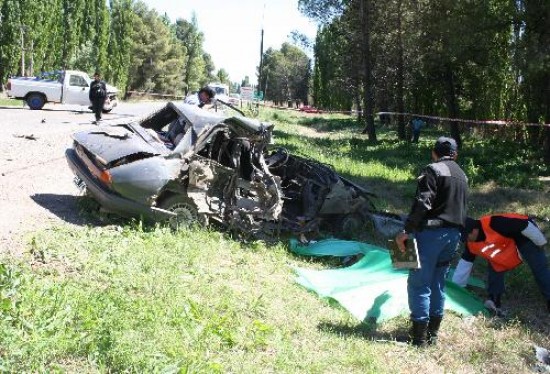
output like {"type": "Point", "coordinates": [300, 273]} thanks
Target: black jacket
{"type": "Point", "coordinates": [98, 90]}
{"type": "Point", "coordinates": [441, 194]}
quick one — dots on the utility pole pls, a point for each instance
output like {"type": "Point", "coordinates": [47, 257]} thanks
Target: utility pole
{"type": "Point", "coordinates": [22, 28]}
{"type": "Point", "coordinates": [261, 55]}
{"type": "Point", "coordinates": [261, 63]}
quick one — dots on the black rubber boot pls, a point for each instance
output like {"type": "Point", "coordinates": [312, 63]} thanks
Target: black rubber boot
{"type": "Point", "coordinates": [433, 329]}
{"type": "Point", "coordinates": [497, 300]}
{"type": "Point", "coordinates": [419, 333]}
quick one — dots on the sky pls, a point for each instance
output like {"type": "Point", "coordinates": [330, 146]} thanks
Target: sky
{"type": "Point", "coordinates": [232, 28]}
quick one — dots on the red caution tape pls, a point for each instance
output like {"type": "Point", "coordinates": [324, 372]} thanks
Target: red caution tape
{"type": "Point", "coordinates": [480, 122]}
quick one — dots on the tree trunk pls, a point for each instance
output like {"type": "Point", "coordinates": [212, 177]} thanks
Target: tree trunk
{"type": "Point", "coordinates": [368, 100]}
{"type": "Point", "coordinates": [401, 133]}
{"type": "Point", "coordinates": [358, 105]}
{"type": "Point", "coordinates": [537, 77]}
{"type": "Point", "coordinates": [452, 104]}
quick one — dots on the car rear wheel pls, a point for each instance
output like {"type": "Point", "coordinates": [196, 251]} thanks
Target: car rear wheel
{"type": "Point", "coordinates": [187, 214]}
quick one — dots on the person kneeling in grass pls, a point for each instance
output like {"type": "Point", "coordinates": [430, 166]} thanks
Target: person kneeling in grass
{"type": "Point", "coordinates": [505, 241]}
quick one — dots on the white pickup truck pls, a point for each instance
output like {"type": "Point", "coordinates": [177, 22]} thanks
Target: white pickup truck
{"type": "Point", "coordinates": [66, 87]}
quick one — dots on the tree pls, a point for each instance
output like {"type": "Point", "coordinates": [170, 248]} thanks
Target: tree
{"type": "Point", "coordinates": [336, 80]}
{"type": "Point", "coordinates": [120, 42]}
{"type": "Point", "coordinates": [10, 36]}
{"type": "Point", "coordinates": [366, 11]}
{"type": "Point", "coordinates": [534, 44]}
{"type": "Point", "coordinates": [157, 57]}
{"type": "Point", "coordinates": [286, 74]}
{"type": "Point", "coordinates": [223, 77]}
{"type": "Point", "coordinates": [361, 12]}
{"type": "Point", "coordinates": [189, 35]}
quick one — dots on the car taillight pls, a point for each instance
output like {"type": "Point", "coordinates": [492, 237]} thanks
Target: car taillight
{"type": "Point", "coordinates": [100, 173]}
{"type": "Point", "coordinates": [105, 177]}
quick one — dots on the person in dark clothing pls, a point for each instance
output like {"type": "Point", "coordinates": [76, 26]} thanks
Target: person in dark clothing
{"type": "Point", "coordinates": [98, 94]}
{"type": "Point", "coordinates": [501, 239]}
{"type": "Point", "coordinates": [416, 126]}
{"type": "Point", "coordinates": [202, 98]}
{"type": "Point", "coordinates": [436, 219]}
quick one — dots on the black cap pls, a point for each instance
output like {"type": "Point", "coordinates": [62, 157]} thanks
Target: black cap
{"type": "Point", "coordinates": [469, 226]}
{"type": "Point", "coordinates": [445, 146]}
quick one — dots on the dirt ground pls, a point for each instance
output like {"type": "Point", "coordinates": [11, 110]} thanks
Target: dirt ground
{"type": "Point", "coordinates": [36, 184]}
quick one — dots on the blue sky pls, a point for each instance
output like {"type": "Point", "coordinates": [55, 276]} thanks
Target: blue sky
{"type": "Point", "coordinates": [232, 28]}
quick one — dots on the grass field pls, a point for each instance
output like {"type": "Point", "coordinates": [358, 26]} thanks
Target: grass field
{"type": "Point", "coordinates": [11, 102]}
{"type": "Point", "coordinates": [129, 298]}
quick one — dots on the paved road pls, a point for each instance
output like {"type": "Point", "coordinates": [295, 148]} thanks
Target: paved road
{"type": "Point", "coordinates": [36, 185]}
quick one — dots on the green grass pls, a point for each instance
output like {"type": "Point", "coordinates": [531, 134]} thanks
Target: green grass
{"type": "Point", "coordinates": [11, 102]}
{"type": "Point", "coordinates": [114, 300]}
{"type": "Point", "coordinates": [124, 298]}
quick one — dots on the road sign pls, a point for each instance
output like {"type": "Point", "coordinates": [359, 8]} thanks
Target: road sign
{"type": "Point", "coordinates": [247, 93]}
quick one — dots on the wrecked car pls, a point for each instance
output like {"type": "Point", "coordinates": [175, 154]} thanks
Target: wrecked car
{"type": "Point", "coordinates": [185, 165]}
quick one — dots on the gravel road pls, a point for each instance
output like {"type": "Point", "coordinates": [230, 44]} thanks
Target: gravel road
{"type": "Point", "coordinates": [36, 184]}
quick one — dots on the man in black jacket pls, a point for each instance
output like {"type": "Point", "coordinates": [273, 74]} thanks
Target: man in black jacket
{"type": "Point", "coordinates": [98, 94]}
{"type": "Point", "coordinates": [436, 219]}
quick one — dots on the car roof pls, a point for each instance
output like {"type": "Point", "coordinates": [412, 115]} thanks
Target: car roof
{"type": "Point", "coordinates": [201, 118]}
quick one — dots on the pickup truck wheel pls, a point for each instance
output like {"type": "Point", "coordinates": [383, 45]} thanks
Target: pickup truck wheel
{"type": "Point", "coordinates": [187, 214]}
{"type": "Point", "coordinates": [36, 101]}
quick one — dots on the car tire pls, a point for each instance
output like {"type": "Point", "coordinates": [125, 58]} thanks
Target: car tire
{"type": "Point", "coordinates": [35, 101]}
{"type": "Point", "coordinates": [187, 214]}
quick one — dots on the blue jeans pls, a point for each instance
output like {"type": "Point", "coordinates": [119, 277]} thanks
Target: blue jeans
{"type": "Point", "coordinates": [426, 286]}
{"type": "Point", "coordinates": [416, 135]}
{"type": "Point", "coordinates": [535, 259]}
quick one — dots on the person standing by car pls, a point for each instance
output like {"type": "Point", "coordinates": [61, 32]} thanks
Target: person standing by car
{"type": "Point", "coordinates": [505, 241]}
{"type": "Point", "coordinates": [98, 94]}
{"type": "Point", "coordinates": [202, 98]}
{"type": "Point", "coordinates": [436, 219]}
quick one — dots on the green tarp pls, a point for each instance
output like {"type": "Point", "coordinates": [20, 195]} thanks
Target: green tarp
{"type": "Point", "coordinates": [370, 288]}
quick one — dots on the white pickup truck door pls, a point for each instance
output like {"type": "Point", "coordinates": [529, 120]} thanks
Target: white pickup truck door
{"type": "Point", "coordinates": [75, 90]}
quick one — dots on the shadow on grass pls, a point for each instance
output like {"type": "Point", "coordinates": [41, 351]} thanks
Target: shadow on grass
{"type": "Point", "coordinates": [322, 124]}
{"type": "Point", "coordinates": [507, 163]}
{"type": "Point", "coordinates": [76, 210]}
{"type": "Point", "coordinates": [367, 330]}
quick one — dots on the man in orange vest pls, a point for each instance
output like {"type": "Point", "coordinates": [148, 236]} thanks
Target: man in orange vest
{"type": "Point", "coordinates": [505, 241]}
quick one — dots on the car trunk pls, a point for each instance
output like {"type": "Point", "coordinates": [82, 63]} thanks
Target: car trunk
{"type": "Point", "coordinates": [116, 145]}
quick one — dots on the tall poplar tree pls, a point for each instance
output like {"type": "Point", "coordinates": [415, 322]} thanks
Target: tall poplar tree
{"type": "Point", "coordinates": [10, 38]}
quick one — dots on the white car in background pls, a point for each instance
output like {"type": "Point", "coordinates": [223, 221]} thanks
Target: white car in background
{"type": "Point", "coordinates": [64, 86]}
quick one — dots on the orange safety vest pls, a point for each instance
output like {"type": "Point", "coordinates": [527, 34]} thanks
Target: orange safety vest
{"type": "Point", "coordinates": [500, 251]}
